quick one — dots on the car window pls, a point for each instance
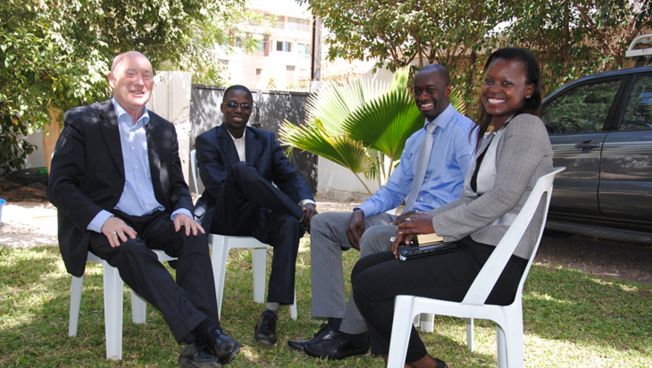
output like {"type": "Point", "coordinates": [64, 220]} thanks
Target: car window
{"type": "Point", "coordinates": [583, 109]}
{"type": "Point", "coordinates": [638, 112]}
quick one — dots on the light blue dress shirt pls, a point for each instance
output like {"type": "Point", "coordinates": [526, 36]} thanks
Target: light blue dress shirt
{"type": "Point", "coordinates": [450, 159]}
{"type": "Point", "coordinates": [137, 198]}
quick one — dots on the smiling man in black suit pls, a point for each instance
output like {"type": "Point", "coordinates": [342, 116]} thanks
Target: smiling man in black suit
{"type": "Point", "coordinates": [116, 181]}
{"type": "Point", "coordinates": [253, 190]}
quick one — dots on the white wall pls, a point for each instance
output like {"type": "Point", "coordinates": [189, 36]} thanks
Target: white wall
{"type": "Point", "coordinates": [171, 100]}
{"type": "Point", "coordinates": [36, 158]}
{"type": "Point", "coordinates": [337, 182]}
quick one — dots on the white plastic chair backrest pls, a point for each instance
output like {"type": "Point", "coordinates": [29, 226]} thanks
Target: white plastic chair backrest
{"type": "Point", "coordinates": [193, 169]}
{"type": "Point", "coordinates": [490, 272]}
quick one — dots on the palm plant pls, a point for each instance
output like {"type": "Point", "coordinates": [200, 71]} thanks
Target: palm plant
{"type": "Point", "coordinates": [361, 126]}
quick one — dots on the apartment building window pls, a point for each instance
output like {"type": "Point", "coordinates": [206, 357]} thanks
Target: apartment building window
{"type": "Point", "coordinates": [303, 49]}
{"type": "Point", "coordinates": [284, 46]}
{"type": "Point", "coordinates": [297, 24]}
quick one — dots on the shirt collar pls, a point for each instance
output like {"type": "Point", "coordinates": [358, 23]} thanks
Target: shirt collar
{"type": "Point", "coordinates": [123, 115]}
{"type": "Point", "coordinates": [244, 133]}
{"type": "Point", "coordinates": [443, 118]}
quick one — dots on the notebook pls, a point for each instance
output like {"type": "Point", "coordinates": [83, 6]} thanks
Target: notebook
{"type": "Point", "coordinates": [428, 244]}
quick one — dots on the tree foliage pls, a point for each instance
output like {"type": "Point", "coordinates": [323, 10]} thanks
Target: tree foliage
{"type": "Point", "coordinates": [571, 37]}
{"type": "Point", "coordinates": [578, 37]}
{"type": "Point", "coordinates": [55, 54]}
{"type": "Point", "coordinates": [402, 32]}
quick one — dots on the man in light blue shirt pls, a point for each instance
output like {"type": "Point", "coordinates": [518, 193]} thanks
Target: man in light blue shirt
{"type": "Point", "coordinates": [430, 174]}
{"type": "Point", "coordinates": [138, 196]}
{"type": "Point", "coordinates": [117, 183]}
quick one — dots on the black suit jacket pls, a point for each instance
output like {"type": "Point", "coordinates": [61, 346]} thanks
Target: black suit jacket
{"type": "Point", "coordinates": [87, 174]}
{"type": "Point", "coordinates": [217, 155]}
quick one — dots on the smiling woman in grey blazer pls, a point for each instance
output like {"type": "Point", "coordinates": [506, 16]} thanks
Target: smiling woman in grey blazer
{"type": "Point", "coordinates": [508, 162]}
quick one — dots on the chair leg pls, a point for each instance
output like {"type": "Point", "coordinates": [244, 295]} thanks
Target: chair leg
{"type": "Point", "coordinates": [219, 253]}
{"type": "Point", "coordinates": [427, 322]}
{"type": "Point", "coordinates": [259, 261]}
{"type": "Point", "coordinates": [469, 334]}
{"type": "Point", "coordinates": [76, 288]}
{"type": "Point", "coordinates": [401, 328]}
{"type": "Point", "coordinates": [513, 346]}
{"type": "Point", "coordinates": [293, 308]}
{"type": "Point", "coordinates": [112, 312]}
{"type": "Point", "coordinates": [138, 308]}
{"type": "Point", "coordinates": [501, 348]}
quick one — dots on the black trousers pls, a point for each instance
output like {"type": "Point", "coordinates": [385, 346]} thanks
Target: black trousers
{"type": "Point", "coordinates": [184, 303]}
{"type": "Point", "coordinates": [379, 278]}
{"type": "Point", "coordinates": [249, 205]}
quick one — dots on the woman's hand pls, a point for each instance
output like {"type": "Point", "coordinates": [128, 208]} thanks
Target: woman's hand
{"type": "Point", "coordinates": [417, 223]}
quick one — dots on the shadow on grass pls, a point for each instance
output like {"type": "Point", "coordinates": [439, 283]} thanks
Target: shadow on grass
{"type": "Point", "coordinates": [34, 303]}
{"type": "Point", "coordinates": [20, 272]}
{"type": "Point", "coordinates": [34, 297]}
{"type": "Point", "coordinates": [570, 305]}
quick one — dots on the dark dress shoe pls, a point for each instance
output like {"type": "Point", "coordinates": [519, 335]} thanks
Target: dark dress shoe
{"type": "Point", "coordinates": [324, 330]}
{"type": "Point", "coordinates": [337, 346]}
{"type": "Point", "coordinates": [223, 346]}
{"type": "Point", "coordinates": [193, 356]}
{"type": "Point", "coordinates": [265, 331]}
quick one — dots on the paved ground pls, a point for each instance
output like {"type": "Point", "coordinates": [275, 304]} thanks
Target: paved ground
{"type": "Point", "coordinates": [26, 224]}
{"type": "Point", "coordinates": [33, 223]}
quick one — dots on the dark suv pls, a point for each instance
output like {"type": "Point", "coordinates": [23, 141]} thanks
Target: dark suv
{"type": "Point", "coordinates": [601, 129]}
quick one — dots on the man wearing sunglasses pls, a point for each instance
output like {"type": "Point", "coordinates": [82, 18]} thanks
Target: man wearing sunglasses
{"type": "Point", "coordinates": [253, 190]}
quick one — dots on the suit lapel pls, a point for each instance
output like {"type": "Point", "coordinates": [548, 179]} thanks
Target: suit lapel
{"type": "Point", "coordinates": [225, 141]}
{"type": "Point", "coordinates": [111, 134]}
{"type": "Point", "coordinates": [251, 146]}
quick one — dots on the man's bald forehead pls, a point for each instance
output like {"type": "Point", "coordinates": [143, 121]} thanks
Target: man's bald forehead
{"type": "Point", "coordinates": [438, 69]}
{"type": "Point", "coordinates": [129, 54]}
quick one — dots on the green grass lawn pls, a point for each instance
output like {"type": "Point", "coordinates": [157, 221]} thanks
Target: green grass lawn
{"type": "Point", "coordinates": [571, 320]}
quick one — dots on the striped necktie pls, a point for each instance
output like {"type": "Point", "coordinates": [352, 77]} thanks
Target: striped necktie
{"type": "Point", "coordinates": [421, 167]}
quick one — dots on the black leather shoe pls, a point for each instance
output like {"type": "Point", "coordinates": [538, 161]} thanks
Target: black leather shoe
{"type": "Point", "coordinates": [193, 356]}
{"type": "Point", "coordinates": [223, 346]}
{"type": "Point", "coordinates": [324, 330]}
{"type": "Point", "coordinates": [336, 346]}
{"type": "Point", "coordinates": [265, 331]}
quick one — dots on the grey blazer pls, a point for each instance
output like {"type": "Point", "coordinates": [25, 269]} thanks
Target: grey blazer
{"type": "Point", "coordinates": [523, 154]}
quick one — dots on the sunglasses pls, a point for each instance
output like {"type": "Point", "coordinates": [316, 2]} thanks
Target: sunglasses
{"type": "Point", "coordinates": [234, 105]}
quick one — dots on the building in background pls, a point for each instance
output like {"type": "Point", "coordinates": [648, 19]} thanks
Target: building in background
{"type": "Point", "coordinates": [282, 59]}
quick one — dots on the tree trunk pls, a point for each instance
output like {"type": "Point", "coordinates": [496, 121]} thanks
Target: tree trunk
{"type": "Point", "coordinates": [51, 134]}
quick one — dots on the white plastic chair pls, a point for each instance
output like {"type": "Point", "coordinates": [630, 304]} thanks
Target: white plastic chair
{"type": "Point", "coordinates": [112, 305]}
{"type": "Point", "coordinates": [221, 245]}
{"type": "Point", "coordinates": [509, 318]}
